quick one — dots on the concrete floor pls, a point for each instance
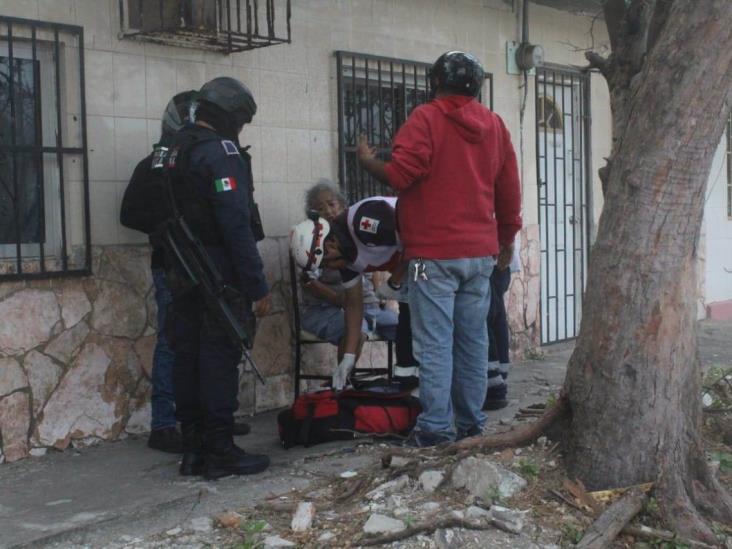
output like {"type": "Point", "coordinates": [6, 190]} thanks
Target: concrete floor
{"type": "Point", "coordinates": [96, 495]}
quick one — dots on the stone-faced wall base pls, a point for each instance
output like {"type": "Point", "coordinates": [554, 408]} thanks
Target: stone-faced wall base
{"type": "Point", "coordinates": [76, 353]}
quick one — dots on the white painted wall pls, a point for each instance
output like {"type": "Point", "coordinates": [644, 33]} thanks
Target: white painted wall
{"type": "Point", "coordinates": [718, 230]}
{"type": "Point", "coordinates": [293, 136]}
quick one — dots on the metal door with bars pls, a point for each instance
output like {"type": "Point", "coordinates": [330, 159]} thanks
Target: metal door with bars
{"type": "Point", "coordinates": [375, 97]}
{"type": "Point", "coordinates": [562, 147]}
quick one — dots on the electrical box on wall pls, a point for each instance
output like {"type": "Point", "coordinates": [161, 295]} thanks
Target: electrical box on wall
{"type": "Point", "coordinates": [529, 55]}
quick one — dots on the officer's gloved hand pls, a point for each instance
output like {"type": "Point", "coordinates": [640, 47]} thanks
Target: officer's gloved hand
{"type": "Point", "coordinates": [340, 376]}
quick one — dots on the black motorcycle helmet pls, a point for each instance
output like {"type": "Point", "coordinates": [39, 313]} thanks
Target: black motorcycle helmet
{"type": "Point", "coordinates": [457, 72]}
{"type": "Point", "coordinates": [231, 96]}
{"type": "Point", "coordinates": [226, 104]}
{"type": "Point", "coordinates": [177, 113]}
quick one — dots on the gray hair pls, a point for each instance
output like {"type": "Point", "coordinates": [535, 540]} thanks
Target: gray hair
{"type": "Point", "coordinates": [323, 185]}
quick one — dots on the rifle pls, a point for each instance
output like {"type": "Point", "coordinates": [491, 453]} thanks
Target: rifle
{"type": "Point", "coordinates": [201, 272]}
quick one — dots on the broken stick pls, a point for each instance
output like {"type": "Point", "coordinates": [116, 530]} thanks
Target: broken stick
{"type": "Point", "coordinates": [646, 532]}
{"type": "Point", "coordinates": [608, 525]}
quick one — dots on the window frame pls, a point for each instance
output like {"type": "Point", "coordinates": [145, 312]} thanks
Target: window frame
{"type": "Point", "coordinates": [38, 264]}
{"type": "Point", "coordinates": [353, 68]}
{"type": "Point", "coordinates": [227, 26]}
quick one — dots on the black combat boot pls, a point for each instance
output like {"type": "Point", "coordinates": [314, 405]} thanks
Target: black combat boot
{"type": "Point", "coordinates": [193, 457]}
{"type": "Point", "coordinates": [224, 458]}
{"type": "Point", "coordinates": [241, 428]}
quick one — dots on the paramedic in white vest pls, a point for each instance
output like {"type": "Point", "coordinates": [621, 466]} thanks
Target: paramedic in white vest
{"type": "Point", "coordinates": [362, 239]}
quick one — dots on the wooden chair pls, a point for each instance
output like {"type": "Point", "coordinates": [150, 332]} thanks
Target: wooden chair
{"type": "Point", "coordinates": [302, 338]}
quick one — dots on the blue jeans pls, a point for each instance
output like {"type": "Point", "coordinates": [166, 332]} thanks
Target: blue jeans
{"type": "Point", "coordinates": [163, 400]}
{"type": "Point", "coordinates": [327, 322]}
{"type": "Point", "coordinates": [451, 343]}
{"type": "Point", "coordinates": [385, 321]}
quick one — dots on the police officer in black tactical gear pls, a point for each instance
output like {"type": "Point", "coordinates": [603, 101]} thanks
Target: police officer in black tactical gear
{"type": "Point", "coordinates": [211, 181]}
{"type": "Point", "coordinates": [144, 208]}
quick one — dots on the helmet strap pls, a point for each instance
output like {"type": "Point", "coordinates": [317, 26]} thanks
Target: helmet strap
{"type": "Point", "coordinates": [317, 227]}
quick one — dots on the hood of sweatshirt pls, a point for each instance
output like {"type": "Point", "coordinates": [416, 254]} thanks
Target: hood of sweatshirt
{"type": "Point", "coordinates": [467, 114]}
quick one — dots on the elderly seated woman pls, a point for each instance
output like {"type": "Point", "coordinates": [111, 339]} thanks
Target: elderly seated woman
{"type": "Point", "coordinates": [322, 313]}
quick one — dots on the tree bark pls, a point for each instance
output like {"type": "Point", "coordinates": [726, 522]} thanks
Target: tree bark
{"type": "Point", "coordinates": [633, 381]}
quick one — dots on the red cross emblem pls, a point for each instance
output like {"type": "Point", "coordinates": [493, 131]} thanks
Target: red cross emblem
{"type": "Point", "coordinates": [365, 224]}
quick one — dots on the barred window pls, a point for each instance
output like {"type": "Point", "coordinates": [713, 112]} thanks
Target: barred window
{"type": "Point", "coordinates": [44, 220]}
{"type": "Point", "coordinates": [222, 25]}
{"type": "Point", "coordinates": [375, 97]}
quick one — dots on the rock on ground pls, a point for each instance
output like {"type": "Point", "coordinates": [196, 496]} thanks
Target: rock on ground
{"type": "Point", "coordinates": [481, 477]}
{"type": "Point", "coordinates": [430, 480]}
{"type": "Point", "coordinates": [276, 541]}
{"type": "Point", "coordinates": [303, 517]}
{"type": "Point", "coordinates": [381, 524]}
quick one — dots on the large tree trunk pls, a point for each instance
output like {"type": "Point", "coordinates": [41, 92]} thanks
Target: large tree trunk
{"type": "Point", "coordinates": [634, 379]}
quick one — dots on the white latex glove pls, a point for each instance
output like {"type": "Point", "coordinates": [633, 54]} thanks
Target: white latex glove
{"type": "Point", "coordinates": [340, 376]}
{"type": "Point", "coordinates": [384, 291]}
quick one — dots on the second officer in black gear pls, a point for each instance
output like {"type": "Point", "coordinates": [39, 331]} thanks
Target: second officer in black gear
{"type": "Point", "coordinates": [212, 185]}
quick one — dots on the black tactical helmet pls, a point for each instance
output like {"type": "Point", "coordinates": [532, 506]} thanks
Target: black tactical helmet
{"type": "Point", "coordinates": [458, 72]}
{"type": "Point", "coordinates": [231, 96]}
{"type": "Point", "coordinates": [177, 112]}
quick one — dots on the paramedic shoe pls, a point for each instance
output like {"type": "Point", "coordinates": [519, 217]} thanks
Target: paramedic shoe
{"type": "Point", "coordinates": [241, 428]}
{"type": "Point", "coordinates": [233, 461]}
{"type": "Point", "coordinates": [167, 440]}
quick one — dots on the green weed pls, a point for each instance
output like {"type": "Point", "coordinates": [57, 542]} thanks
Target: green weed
{"type": "Point", "coordinates": [252, 531]}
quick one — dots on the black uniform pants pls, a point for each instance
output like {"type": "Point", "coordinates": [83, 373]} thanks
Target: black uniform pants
{"type": "Point", "coordinates": [205, 375]}
{"type": "Point", "coordinates": [498, 335]}
{"type": "Point", "coordinates": [404, 354]}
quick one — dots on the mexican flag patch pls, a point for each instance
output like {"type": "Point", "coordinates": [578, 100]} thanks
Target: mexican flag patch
{"type": "Point", "coordinates": [225, 184]}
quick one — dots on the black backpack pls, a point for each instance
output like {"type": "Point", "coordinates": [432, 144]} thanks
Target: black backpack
{"type": "Point", "coordinates": [145, 203]}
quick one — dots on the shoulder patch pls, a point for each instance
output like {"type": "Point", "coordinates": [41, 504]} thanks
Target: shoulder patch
{"type": "Point", "coordinates": [369, 225]}
{"type": "Point", "coordinates": [230, 147]}
{"type": "Point", "coordinates": [225, 184]}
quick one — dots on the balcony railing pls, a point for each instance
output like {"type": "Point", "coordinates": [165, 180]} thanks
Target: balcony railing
{"type": "Point", "coordinates": [222, 25]}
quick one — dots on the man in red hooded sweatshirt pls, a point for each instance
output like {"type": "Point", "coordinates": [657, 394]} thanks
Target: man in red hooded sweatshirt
{"type": "Point", "coordinates": [455, 172]}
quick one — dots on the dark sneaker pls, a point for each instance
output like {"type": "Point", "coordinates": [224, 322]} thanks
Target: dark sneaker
{"type": "Point", "coordinates": [422, 439]}
{"type": "Point", "coordinates": [241, 428]}
{"type": "Point", "coordinates": [233, 461]}
{"type": "Point", "coordinates": [166, 440]}
{"type": "Point", "coordinates": [193, 463]}
{"type": "Point", "coordinates": [474, 431]}
{"type": "Point", "coordinates": [495, 404]}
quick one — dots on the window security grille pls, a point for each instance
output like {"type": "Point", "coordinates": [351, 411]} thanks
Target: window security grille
{"type": "Point", "coordinates": [223, 25]}
{"type": "Point", "coordinates": [44, 182]}
{"type": "Point", "coordinates": [375, 97]}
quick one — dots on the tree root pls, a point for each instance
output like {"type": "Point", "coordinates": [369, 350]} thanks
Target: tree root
{"type": "Point", "coordinates": [708, 494]}
{"type": "Point", "coordinates": [523, 436]}
{"type": "Point", "coordinates": [429, 526]}
{"type": "Point", "coordinates": [679, 508]}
